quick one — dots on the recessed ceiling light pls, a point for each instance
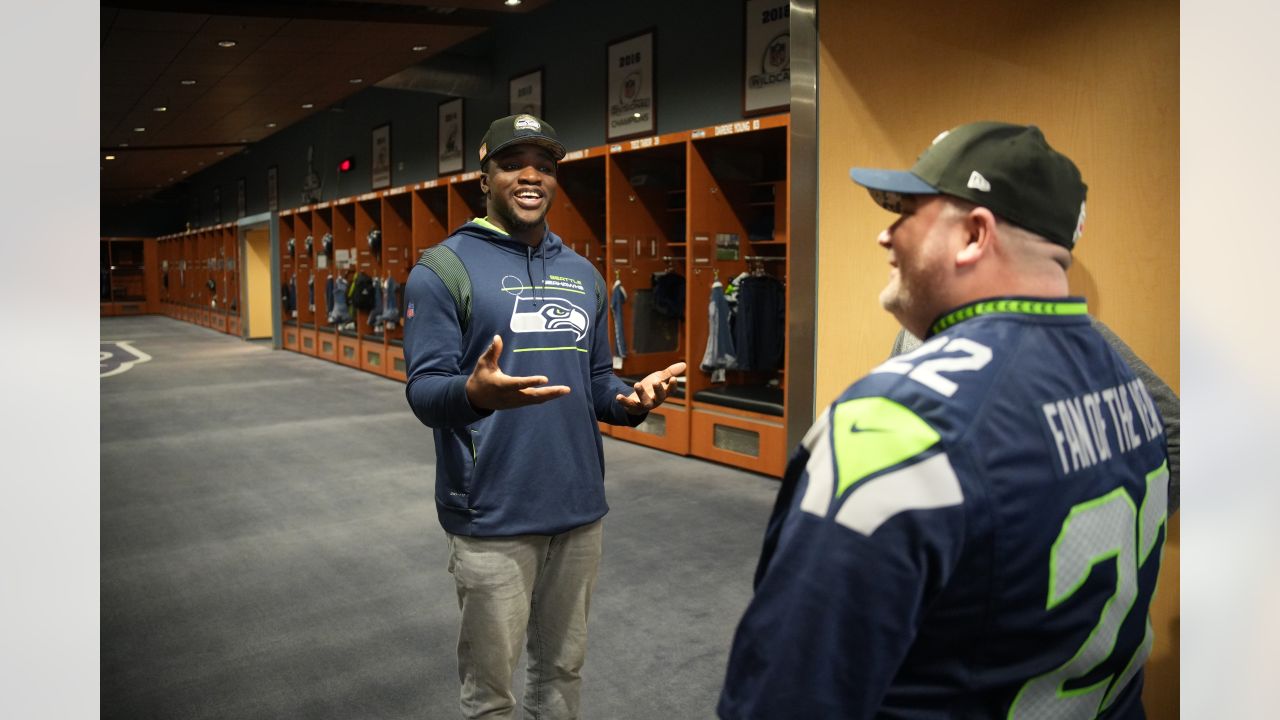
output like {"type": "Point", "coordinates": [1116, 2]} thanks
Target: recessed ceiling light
{"type": "Point", "coordinates": [635, 115]}
{"type": "Point", "coordinates": [160, 108]}
{"type": "Point", "coordinates": [511, 3]}
{"type": "Point", "coordinates": [139, 129]}
{"type": "Point", "coordinates": [226, 43]}
{"type": "Point", "coordinates": [419, 48]}
{"type": "Point", "coordinates": [271, 125]}
{"type": "Point", "coordinates": [111, 157]}
{"type": "Point", "coordinates": [219, 153]}
{"type": "Point", "coordinates": [243, 140]}
{"type": "Point", "coordinates": [200, 163]}
{"type": "Point", "coordinates": [187, 82]}
{"type": "Point", "coordinates": [170, 179]}
{"type": "Point", "coordinates": [308, 106]}
{"type": "Point", "coordinates": [124, 144]}
{"type": "Point", "coordinates": [184, 172]}
{"type": "Point", "coordinates": [356, 81]}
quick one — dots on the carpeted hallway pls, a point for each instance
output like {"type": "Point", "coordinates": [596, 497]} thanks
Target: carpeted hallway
{"type": "Point", "coordinates": [270, 548]}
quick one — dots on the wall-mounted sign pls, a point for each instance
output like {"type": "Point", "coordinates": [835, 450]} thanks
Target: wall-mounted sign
{"type": "Point", "coordinates": [381, 164]}
{"type": "Point", "coordinates": [767, 68]}
{"type": "Point", "coordinates": [526, 93]}
{"type": "Point", "coordinates": [450, 141]}
{"type": "Point", "coordinates": [631, 97]}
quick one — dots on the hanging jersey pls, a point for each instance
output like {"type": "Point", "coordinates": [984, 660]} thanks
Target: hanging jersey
{"type": "Point", "coordinates": [760, 327]}
{"type": "Point", "coordinates": [973, 530]}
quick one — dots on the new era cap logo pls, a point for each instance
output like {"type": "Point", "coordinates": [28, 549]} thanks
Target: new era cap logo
{"type": "Point", "coordinates": [977, 182]}
{"type": "Point", "coordinates": [527, 122]}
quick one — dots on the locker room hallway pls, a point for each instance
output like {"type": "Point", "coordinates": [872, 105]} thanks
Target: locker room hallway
{"type": "Point", "coordinates": [270, 548]}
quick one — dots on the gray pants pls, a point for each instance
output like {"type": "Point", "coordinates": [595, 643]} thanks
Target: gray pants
{"type": "Point", "coordinates": [509, 586]}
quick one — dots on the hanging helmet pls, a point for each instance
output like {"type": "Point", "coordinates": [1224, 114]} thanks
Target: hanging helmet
{"type": "Point", "coordinates": [290, 245]}
{"type": "Point", "coordinates": [308, 245]}
{"type": "Point", "coordinates": [326, 244]}
{"type": "Point", "coordinates": [375, 241]}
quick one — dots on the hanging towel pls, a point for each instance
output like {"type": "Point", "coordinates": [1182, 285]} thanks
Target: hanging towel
{"type": "Point", "coordinates": [311, 291]}
{"type": "Point", "coordinates": [616, 299]}
{"type": "Point", "coordinates": [720, 351]}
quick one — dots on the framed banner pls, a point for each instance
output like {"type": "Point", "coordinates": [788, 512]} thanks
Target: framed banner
{"type": "Point", "coordinates": [632, 95]}
{"type": "Point", "coordinates": [273, 188]}
{"type": "Point", "coordinates": [767, 69]}
{"type": "Point", "coordinates": [450, 141]}
{"type": "Point", "coordinates": [381, 164]}
{"type": "Point", "coordinates": [526, 93]}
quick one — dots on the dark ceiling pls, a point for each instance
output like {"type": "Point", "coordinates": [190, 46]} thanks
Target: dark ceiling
{"type": "Point", "coordinates": [174, 101]}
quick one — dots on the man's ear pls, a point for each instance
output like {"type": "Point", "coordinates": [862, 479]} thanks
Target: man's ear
{"type": "Point", "coordinates": [484, 181]}
{"type": "Point", "coordinates": [980, 233]}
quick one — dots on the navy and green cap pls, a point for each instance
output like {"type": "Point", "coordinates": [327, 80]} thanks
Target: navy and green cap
{"type": "Point", "coordinates": [519, 130]}
{"type": "Point", "coordinates": [1009, 169]}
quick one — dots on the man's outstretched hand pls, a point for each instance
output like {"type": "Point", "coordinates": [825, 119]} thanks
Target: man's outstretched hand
{"type": "Point", "coordinates": [488, 388]}
{"type": "Point", "coordinates": [652, 390]}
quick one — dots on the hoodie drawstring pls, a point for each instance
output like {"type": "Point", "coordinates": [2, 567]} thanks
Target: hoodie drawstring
{"type": "Point", "coordinates": [542, 252]}
{"type": "Point", "coordinates": [528, 271]}
{"type": "Point", "coordinates": [528, 266]}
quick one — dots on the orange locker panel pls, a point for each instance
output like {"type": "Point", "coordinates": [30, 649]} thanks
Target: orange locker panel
{"type": "Point", "coordinates": [291, 337]}
{"type": "Point", "coordinates": [395, 362]}
{"type": "Point", "coordinates": [666, 428]}
{"type": "Point", "coordinates": [373, 356]}
{"type": "Point", "coordinates": [349, 350]}
{"type": "Point", "coordinates": [747, 440]}
{"type": "Point", "coordinates": [307, 341]}
{"type": "Point", "coordinates": [327, 345]}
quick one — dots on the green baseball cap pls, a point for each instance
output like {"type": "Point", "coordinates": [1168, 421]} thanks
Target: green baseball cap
{"type": "Point", "coordinates": [519, 130]}
{"type": "Point", "coordinates": [1009, 169]}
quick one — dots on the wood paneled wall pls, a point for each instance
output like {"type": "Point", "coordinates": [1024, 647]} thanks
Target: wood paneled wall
{"type": "Point", "coordinates": [1100, 78]}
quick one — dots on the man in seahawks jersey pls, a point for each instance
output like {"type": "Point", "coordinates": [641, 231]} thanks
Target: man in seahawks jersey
{"type": "Point", "coordinates": [974, 529]}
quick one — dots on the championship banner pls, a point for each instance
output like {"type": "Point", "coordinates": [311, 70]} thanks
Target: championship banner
{"type": "Point", "coordinates": [768, 57]}
{"type": "Point", "coordinates": [449, 141]}
{"type": "Point", "coordinates": [631, 96]}
{"type": "Point", "coordinates": [525, 94]}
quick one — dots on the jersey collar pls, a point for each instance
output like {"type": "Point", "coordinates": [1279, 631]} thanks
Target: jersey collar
{"type": "Point", "coordinates": [484, 222]}
{"type": "Point", "coordinates": [1010, 306]}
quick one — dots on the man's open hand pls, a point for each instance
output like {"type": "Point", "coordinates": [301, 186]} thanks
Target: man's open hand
{"type": "Point", "coordinates": [488, 388]}
{"type": "Point", "coordinates": [652, 390]}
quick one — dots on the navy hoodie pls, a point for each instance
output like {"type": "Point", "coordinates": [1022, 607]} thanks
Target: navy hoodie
{"type": "Point", "coordinates": [532, 470]}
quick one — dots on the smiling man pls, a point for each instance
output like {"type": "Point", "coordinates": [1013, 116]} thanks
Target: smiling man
{"type": "Point", "coordinates": [974, 529]}
{"type": "Point", "coordinates": [508, 359]}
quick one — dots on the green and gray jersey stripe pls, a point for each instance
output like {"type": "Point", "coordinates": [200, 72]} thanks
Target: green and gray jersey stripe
{"type": "Point", "coordinates": [445, 263]}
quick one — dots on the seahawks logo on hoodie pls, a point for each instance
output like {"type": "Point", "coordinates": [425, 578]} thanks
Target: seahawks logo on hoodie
{"type": "Point", "coordinates": [543, 314]}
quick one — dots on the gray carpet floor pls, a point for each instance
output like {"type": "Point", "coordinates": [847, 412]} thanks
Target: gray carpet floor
{"type": "Point", "coordinates": [269, 548]}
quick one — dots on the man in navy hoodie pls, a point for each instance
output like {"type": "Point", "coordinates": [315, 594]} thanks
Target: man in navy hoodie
{"type": "Point", "coordinates": [508, 357]}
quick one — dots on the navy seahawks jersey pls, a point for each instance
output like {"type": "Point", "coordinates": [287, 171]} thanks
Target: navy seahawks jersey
{"type": "Point", "coordinates": [973, 530]}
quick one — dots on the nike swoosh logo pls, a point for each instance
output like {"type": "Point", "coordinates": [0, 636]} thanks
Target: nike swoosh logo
{"type": "Point", "coordinates": [855, 429]}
